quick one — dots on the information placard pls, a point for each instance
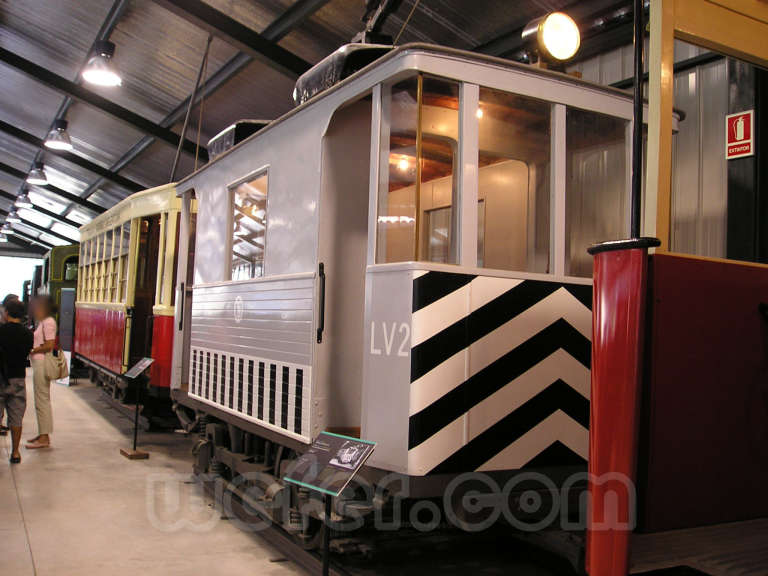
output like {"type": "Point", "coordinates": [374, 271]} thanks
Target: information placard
{"type": "Point", "coordinates": [330, 463]}
{"type": "Point", "coordinates": [138, 368]}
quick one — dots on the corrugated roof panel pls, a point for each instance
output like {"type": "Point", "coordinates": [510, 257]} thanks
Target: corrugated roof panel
{"type": "Point", "coordinates": [35, 217]}
{"type": "Point", "coordinates": [66, 230]}
{"type": "Point", "coordinates": [64, 175]}
{"type": "Point", "coordinates": [48, 200]}
{"type": "Point", "coordinates": [26, 104]}
{"type": "Point", "coordinates": [158, 55]}
{"type": "Point", "coordinates": [54, 34]}
{"type": "Point", "coordinates": [257, 92]}
{"type": "Point", "coordinates": [15, 153]}
{"type": "Point", "coordinates": [99, 137]}
{"type": "Point", "coordinates": [154, 164]}
{"type": "Point", "coordinates": [256, 15]}
{"type": "Point", "coordinates": [105, 197]}
{"type": "Point", "coordinates": [327, 29]}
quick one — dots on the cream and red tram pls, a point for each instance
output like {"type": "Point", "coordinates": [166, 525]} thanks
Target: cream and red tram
{"type": "Point", "coordinates": [403, 257]}
{"type": "Point", "coordinates": [125, 296]}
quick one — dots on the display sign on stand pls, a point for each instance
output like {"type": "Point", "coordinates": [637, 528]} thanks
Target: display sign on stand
{"type": "Point", "coordinates": [136, 374]}
{"type": "Point", "coordinates": [328, 467]}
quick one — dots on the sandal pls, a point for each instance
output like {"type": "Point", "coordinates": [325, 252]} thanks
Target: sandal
{"type": "Point", "coordinates": [15, 459]}
{"type": "Point", "coordinates": [36, 444]}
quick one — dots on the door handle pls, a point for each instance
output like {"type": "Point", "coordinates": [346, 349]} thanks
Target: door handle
{"type": "Point", "coordinates": [321, 319]}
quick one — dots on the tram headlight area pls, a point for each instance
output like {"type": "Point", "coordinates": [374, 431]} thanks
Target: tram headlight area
{"type": "Point", "coordinates": [552, 38]}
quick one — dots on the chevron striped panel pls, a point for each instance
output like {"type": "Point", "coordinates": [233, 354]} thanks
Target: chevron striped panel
{"type": "Point", "coordinates": [270, 393]}
{"type": "Point", "coordinates": [499, 373]}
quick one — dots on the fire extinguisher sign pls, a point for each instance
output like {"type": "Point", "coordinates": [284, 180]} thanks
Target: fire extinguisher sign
{"type": "Point", "coordinates": [740, 134]}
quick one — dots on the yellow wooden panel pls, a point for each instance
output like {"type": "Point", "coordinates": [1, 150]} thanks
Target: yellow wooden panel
{"type": "Point", "coordinates": [660, 110]}
{"type": "Point", "coordinates": [757, 9]}
{"type": "Point", "coordinates": [735, 28]}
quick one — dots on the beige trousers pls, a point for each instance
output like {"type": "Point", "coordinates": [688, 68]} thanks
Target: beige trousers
{"type": "Point", "coordinates": [42, 387]}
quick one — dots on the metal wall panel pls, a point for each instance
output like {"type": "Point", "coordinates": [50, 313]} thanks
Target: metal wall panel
{"type": "Point", "coordinates": [699, 178]}
{"type": "Point", "coordinates": [275, 318]}
{"type": "Point", "coordinates": [251, 350]}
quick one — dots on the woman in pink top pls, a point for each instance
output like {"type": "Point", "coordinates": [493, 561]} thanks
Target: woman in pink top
{"type": "Point", "coordinates": [45, 341]}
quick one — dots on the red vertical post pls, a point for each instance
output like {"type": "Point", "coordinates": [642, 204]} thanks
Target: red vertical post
{"type": "Point", "coordinates": [618, 318]}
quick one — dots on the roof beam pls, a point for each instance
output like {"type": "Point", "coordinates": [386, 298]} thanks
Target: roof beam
{"type": "Point", "coordinates": [27, 245]}
{"type": "Point", "coordinates": [30, 239]}
{"type": "Point", "coordinates": [73, 158]}
{"type": "Point", "coordinates": [40, 210]}
{"type": "Point", "coordinates": [81, 94]}
{"type": "Point", "coordinates": [238, 35]}
{"type": "Point", "coordinates": [75, 199]}
{"type": "Point", "coordinates": [292, 18]}
{"type": "Point", "coordinates": [41, 229]}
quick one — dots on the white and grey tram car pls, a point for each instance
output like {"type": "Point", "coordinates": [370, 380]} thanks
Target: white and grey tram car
{"type": "Point", "coordinates": [403, 257]}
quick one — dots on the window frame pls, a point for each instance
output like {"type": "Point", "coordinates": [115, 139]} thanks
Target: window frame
{"type": "Point", "coordinates": [468, 164]}
{"type": "Point", "coordinates": [231, 190]}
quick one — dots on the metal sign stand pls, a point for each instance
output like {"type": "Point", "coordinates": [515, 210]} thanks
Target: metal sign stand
{"type": "Point", "coordinates": [136, 374]}
{"type": "Point", "coordinates": [327, 535]}
{"type": "Point", "coordinates": [327, 468]}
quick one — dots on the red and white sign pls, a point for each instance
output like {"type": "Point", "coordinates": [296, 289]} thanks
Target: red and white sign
{"type": "Point", "coordinates": [740, 135]}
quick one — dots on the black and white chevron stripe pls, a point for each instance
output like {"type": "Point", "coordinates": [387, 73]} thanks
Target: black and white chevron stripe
{"type": "Point", "coordinates": [499, 373]}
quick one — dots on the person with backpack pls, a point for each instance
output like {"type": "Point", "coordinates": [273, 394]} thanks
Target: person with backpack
{"type": "Point", "coordinates": [8, 298]}
{"type": "Point", "coordinates": [16, 342]}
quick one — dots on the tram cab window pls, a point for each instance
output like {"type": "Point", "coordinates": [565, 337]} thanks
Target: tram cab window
{"type": "Point", "coordinates": [513, 182]}
{"type": "Point", "coordinates": [596, 180]}
{"type": "Point", "coordinates": [249, 227]}
{"type": "Point", "coordinates": [418, 176]}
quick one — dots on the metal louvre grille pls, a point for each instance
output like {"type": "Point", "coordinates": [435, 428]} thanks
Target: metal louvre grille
{"type": "Point", "coordinates": [273, 394]}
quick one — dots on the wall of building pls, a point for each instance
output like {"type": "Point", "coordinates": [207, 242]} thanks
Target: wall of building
{"type": "Point", "coordinates": [700, 172]}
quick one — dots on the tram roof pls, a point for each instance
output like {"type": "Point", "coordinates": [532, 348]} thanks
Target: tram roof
{"type": "Point", "coordinates": [415, 48]}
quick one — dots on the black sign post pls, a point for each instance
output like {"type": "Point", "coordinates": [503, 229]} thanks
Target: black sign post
{"type": "Point", "coordinates": [327, 467]}
{"type": "Point", "coordinates": [136, 375]}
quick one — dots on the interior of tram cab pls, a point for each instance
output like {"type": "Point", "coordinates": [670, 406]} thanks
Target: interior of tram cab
{"type": "Point", "coordinates": [514, 203]}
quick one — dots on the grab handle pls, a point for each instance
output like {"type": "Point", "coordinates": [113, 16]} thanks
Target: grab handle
{"type": "Point", "coordinates": [321, 319]}
{"type": "Point", "coordinates": [182, 305]}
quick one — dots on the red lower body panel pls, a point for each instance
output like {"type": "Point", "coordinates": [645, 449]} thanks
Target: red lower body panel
{"type": "Point", "coordinates": [162, 351]}
{"type": "Point", "coordinates": [706, 413]}
{"type": "Point", "coordinates": [100, 336]}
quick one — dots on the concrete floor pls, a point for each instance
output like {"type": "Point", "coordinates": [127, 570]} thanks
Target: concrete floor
{"type": "Point", "coordinates": [80, 508]}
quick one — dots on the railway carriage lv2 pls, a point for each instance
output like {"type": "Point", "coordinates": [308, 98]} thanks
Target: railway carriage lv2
{"type": "Point", "coordinates": [403, 258]}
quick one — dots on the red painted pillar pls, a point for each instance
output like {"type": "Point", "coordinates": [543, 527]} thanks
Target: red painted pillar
{"type": "Point", "coordinates": [618, 318]}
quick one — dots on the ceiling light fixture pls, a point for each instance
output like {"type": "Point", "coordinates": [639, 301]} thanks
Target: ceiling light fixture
{"type": "Point", "coordinates": [13, 216]}
{"type": "Point", "coordinates": [37, 175]}
{"type": "Point", "coordinates": [58, 138]}
{"type": "Point", "coordinates": [6, 229]}
{"type": "Point", "coordinates": [23, 201]}
{"type": "Point", "coordinates": [99, 70]}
